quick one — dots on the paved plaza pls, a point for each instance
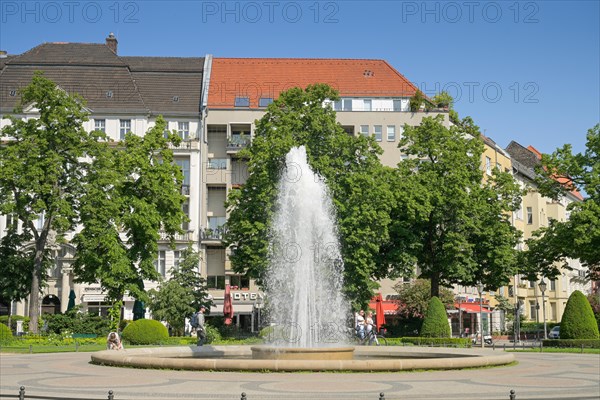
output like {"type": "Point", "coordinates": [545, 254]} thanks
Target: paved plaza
{"type": "Point", "coordinates": [71, 375]}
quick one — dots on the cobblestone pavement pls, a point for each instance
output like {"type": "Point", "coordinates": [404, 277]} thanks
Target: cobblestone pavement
{"type": "Point", "coordinates": [71, 375]}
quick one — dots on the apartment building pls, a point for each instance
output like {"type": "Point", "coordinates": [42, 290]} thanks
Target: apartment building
{"type": "Point", "coordinates": [536, 212]}
{"type": "Point", "coordinates": [122, 94]}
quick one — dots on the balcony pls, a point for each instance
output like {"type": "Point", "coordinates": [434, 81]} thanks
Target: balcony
{"type": "Point", "coordinates": [212, 236]}
{"type": "Point", "coordinates": [187, 236]}
{"type": "Point", "coordinates": [190, 144]}
{"type": "Point", "coordinates": [185, 190]}
{"type": "Point", "coordinates": [236, 143]}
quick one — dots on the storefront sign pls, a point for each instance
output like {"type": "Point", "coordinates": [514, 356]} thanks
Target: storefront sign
{"type": "Point", "coordinates": [247, 295]}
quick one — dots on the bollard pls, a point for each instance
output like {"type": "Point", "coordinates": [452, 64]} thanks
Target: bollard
{"type": "Point", "coordinates": [512, 396]}
{"type": "Point", "coordinates": [30, 349]}
{"type": "Point", "coordinates": [111, 396]}
{"type": "Point", "coordinates": [381, 396]}
{"type": "Point", "coordinates": [76, 347]}
{"type": "Point", "coordinates": [582, 348]}
{"type": "Point", "coordinates": [243, 396]}
{"type": "Point", "coordinates": [22, 393]}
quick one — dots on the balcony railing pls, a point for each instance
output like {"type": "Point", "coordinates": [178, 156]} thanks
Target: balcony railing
{"type": "Point", "coordinates": [185, 190]}
{"type": "Point", "coordinates": [189, 144]}
{"type": "Point", "coordinates": [213, 234]}
{"type": "Point", "coordinates": [236, 143]}
{"type": "Point", "coordinates": [180, 237]}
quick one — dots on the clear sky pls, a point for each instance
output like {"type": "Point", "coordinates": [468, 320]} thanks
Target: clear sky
{"type": "Point", "coordinates": [527, 71]}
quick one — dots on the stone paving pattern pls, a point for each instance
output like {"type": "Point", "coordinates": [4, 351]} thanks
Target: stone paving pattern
{"type": "Point", "coordinates": [536, 376]}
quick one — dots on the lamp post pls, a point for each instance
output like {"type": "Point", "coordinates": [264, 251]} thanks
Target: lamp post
{"type": "Point", "coordinates": [542, 286]}
{"type": "Point", "coordinates": [258, 304]}
{"type": "Point", "coordinates": [480, 291]}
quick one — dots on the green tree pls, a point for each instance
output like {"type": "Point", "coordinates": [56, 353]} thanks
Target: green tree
{"type": "Point", "coordinates": [182, 295]}
{"type": "Point", "coordinates": [42, 171]}
{"type": "Point", "coordinates": [133, 198]}
{"type": "Point", "coordinates": [578, 320]}
{"type": "Point", "coordinates": [449, 222]}
{"type": "Point", "coordinates": [594, 299]}
{"type": "Point", "coordinates": [358, 182]}
{"type": "Point", "coordinates": [413, 299]}
{"type": "Point", "coordinates": [436, 320]}
{"type": "Point", "coordinates": [579, 236]}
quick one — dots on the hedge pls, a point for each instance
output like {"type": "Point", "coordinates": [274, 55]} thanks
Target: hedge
{"type": "Point", "coordinates": [145, 331]}
{"type": "Point", "coordinates": [428, 341]}
{"type": "Point", "coordinates": [6, 336]}
{"type": "Point", "coordinates": [589, 343]}
{"type": "Point", "coordinates": [435, 324]}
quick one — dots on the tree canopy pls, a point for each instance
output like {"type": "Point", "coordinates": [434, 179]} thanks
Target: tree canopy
{"type": "Point", "coordinates": [181, 295]}
{"type": "Point", "coordinates": [446, 219]}
{"type": "Point", "coordinates": [43, 164]}
{"type": "Point", "coordinates": [579, 236]}
{"type": "Point", "coordinates": [359, 185]}
{"type": "Point", "coordinates": [54, 176]}
{"type": "Point", "coordinates": [413, 298]}
{"type": "Point", "coordinates": [133, 198]}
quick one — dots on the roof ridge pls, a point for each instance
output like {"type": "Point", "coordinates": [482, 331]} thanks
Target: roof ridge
{"type": "Point", "coordinates": [299, 58]}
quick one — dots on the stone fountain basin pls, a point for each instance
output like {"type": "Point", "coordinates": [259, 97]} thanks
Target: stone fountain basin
{"type": "Point", "coordinates": [239, 358]}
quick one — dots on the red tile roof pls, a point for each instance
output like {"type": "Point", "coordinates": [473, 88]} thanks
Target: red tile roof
{"type": "Point", "coordinates": [563, 181]}
{"type": "Point", "coordinates": [267, 77]}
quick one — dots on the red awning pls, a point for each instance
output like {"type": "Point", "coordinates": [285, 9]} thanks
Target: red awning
{"type": "Point", "coordinates": [471, 308]}
{"type": "Point", "coordinates": [389, 306]}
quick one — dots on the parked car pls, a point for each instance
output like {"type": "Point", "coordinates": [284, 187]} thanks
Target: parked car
{"type": "Point", "coordinates": [554, 333]}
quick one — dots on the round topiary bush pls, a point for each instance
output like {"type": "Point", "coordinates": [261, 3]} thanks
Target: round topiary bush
{"type": "Point", "coordinates": [436, 320]}
{"type": "Point", "coordinates": [145, 331]}
{"type": "Point", "coordinates": [6, 336]}
{"type": "Point", "coordinates": [578, 320]}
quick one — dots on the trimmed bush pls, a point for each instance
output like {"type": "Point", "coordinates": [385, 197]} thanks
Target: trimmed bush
{"type": "Point", "coordinates": [6, 336]}
{"type": "Point", "coordinates": [145, 331]}
{"type": "Point", "coordinates": [428, 341]}
{"type": "Point", "coordinates": [587, 343]}
{"type": "Point", "coordinates": [578, 321]}
{"type": "Point", "coordinates": [435, 324]}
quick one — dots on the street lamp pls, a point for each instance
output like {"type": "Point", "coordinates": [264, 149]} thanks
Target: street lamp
{"type": "Point", "coordinates": [542, 286]}
{"type": "Point", "coordinates": [258, 304]}
{"type": "Point", "coordinates": [480, 291]}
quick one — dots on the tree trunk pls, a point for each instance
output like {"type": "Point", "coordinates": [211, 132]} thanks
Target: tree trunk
{"type": "Point", "coordinates": [435, 285]}
{"type": "Point", "coordinates": [34, 296]}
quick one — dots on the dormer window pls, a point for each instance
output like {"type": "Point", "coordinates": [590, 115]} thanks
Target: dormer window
{"type": "Point", "coordinates": [109, 94]}
{"type": "Point", "coordinates": [175, 99]}
{"type": "Point", "coordinates": [242, 102]}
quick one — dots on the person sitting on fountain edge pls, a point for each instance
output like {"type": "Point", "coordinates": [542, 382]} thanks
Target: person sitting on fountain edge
{"type": "Point", "coordinates": [360, 324]}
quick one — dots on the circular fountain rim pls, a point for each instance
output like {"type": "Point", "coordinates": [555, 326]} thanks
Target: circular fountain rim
{"type": "Point", "coordinates": [211, 358]}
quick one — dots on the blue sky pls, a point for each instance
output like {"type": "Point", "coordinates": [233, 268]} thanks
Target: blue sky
{"type": "Point", "coordinates": [527, 71]}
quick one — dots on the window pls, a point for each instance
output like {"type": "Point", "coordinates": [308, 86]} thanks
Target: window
{"type": "Point", "coordinates": [216, 223]}
{"type": "Point", "coordinates": [488, 165]}
{"type": "Point", "coordinates": [217, 163]}
{"type": "Point", "coordinates": [215, 281]}
{"type": "Point", "coordinates": [124, 128]}
{"type": "Point", "coordinates": [377, 132]}
{"type": "Point", "coordinates": [531, 284]}
{"type": "Point", "coordinates": [177, 259]}
{"type": "Point", "coordinates": [100, 125]}
{"type": "Point", "coordinates": [519, 212]}
{"type": "Point", "coordinates": [337, 105]}
{"type": "Point", "coordinates": [265, 101]}
{"type": "Point", "coordinates": [347, 103]}
{"type": "Point", "coordinates": [397, 105]}
{"type": "Point", "coordinates": [367, 105]}
{"type": "Point", "coordinates": [12, 222]}
{"type": "Point", "coordinates": [532, 309]}
{"type": "Point", "coordinates": [364, 130]}
{"type": "Point", "coordinates": [184, 165]}
{"type": "Point", "coordinates": [185, 207]}
{"type": "Point", "coordinates": [161, 263]}
{"type": "Point", "coordinates": [183, 129]}
{"type": "Point", "coordinates": [239, 282]}
{"type": "Point", "coordinates": [529, 215]}
{"type": "Point", "coordinates": [553, 284]}
{"type": "Point", "coordinates": [98, 308]}
{"type": "Point", "coordinates": [391, 133]}
{"type": "Point", "coordinates": [242, 102]}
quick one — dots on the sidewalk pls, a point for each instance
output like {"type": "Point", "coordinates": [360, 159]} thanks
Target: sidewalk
{"type": "Point", "coordinates": [536, 376]}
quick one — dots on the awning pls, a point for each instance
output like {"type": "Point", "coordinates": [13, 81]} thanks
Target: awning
{"type": "Point", "coordinates": [471, 308]}
{"type": "Point", "coordinates": [390, 307]}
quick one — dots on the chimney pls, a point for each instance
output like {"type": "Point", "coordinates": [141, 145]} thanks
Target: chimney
{"type": "Point", "coordinates": [111, 42]}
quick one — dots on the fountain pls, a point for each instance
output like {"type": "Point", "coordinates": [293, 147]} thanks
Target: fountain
{"type": "Point", "coordinates": [306, 305]}
{"type": "Point", "coordinates": [304, 280]}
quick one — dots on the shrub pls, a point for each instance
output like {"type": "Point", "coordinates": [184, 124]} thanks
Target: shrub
{"type": "Point", "coordinates": [590, 343]}
{"type": "Point", "coordinates": [13, 321]}
{"type": "Point", "coordinates": [578, 321]}
{"type": "Point", "coordinates": [6, 336]}
{"type": "Point", "coordinates": [77, 322]}
{"type": "Point", "coordinates": [428, 341]}
{"type": "Point", "coordinates": [212, 334]}
{"type": "Point", "coordinates": [145, 331]}
{"type": "Point", "coordinates": [435, 323]}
